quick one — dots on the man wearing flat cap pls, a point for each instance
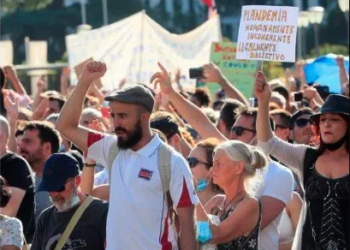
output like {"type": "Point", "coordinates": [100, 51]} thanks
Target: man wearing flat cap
{"type": "Point", "coordinates": [140, 218]}
{"type": "Point", "coordinates": [61, 179]}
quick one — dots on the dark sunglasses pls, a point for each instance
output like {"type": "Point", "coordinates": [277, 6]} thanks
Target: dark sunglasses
{"type": "Point", "coordinates": [239, 131]}
{"type": "Point", "coordinates": [302, 123]}
{"type": "Point", "coordinates": [193, 162]}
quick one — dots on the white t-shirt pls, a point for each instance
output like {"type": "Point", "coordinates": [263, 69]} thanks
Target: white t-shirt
{"type": "Point", "coordinates": [102, 178]}
{"type": "Point", "coordinates": [278, 184]}
{"type": "Point", "coordinates": [138, 216]}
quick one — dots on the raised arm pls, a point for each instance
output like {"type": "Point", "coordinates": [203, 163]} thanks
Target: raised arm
{"type": "Point", "coordinates": [344, 75]}
{"type": "Point", "coordinates": [189, 111]}
{"type": "Point", "coordinates": [291, 155]}
{"type": "Point", "coordinates": [11, 73]}
{"type": "Point", "coordinates": [68, 122]}
{"type": "Point", "coordinates": [11, 106]}
{"type": "Point", "coordinates": [212, 73]}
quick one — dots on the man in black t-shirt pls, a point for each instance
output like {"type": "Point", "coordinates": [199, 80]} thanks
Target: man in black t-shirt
{"type": "Point", "coordinates": [61, 180]}
{"type": "Point", "coordinates": [20, 179]}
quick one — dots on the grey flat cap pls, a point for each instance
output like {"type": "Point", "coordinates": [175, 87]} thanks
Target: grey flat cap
{"type": "Point", "coordinates": [136, 94]}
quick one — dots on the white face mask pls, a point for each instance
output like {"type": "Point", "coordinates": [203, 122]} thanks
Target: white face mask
{"type": "Point", "coordinates": [254, 141]}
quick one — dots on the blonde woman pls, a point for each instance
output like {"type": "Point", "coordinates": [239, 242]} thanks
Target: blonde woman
{"type": "Point", "coordinates": [11, 230]}
{"type": "Point", "coordinates": [235, 168]}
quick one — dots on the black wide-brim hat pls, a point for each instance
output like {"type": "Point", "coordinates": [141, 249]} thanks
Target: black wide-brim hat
{"type": "Point", "coordinates": [335, 104]}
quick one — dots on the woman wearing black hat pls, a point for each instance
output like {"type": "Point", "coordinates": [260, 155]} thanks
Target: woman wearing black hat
{"type": "Point", "coordinates": [324, 171]}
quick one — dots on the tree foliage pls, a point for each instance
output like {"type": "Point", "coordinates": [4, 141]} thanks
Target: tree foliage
{"type": "Point", "coordinates": [25, 5]}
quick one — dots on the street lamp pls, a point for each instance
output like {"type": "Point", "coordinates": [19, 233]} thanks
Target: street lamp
{"type": "Point", "coordinates": [316, 15]}
{"type": "Point", "coordinates": [105, 12]}
{"type": "Point", "coordinates": [344, 6]}
{"type": "Point", "coordinates": [303, 22]}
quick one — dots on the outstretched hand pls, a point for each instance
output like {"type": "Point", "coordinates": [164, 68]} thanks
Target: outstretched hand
{"type": "Point", "coordinates": [163, 80]}
{"type": "Point", "coordinates": [212, 73]}
{"type": "Point", "coordinates": [262, 89]}
{"type": "Point", "coordinates": [93, 71]}
{"type": "Point", "coordinates": [11, 104]}
{"type": "Point", "coordinates": [10, 72]}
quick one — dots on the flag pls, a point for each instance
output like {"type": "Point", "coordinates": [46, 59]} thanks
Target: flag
{"type": "Point", "coordinates": [209, 3]}
{"type": "Point", "coordinates": [212, 8]}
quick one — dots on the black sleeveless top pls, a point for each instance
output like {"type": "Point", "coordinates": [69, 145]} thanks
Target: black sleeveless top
{"type": "Point", "coordinates": [327, 220]}
{"type": "Point", "coordinates": [243, 243]}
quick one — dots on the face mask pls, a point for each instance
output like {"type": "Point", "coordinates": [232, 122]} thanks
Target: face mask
{"type": "Point", "coordinates": [75, 201]}
{"type": "Point", "coordinates": [202, 185]}
{"type": "Point", "coordinates": [253, 141]}
{"type": "Point", "coordinates": [335, 146]}
{"type": "Point", "coordinates": [62, 148]}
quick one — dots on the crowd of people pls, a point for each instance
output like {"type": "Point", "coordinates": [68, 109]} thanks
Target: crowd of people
{"type": "Point", "coordinates": [153, 166]}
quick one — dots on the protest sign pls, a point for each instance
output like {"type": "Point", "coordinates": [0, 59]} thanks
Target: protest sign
{"type": "Point", "coordinates": [241, 73]}
{"type": "Point", "coordinates": [133, 46]}
{"type": "Point", "coordinates": [268, 33]}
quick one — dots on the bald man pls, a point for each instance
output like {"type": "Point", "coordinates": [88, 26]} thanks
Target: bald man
{"type": "Point", "coordinates": [20, 179]}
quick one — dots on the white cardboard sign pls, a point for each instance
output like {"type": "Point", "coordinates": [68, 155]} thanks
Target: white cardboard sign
{"type": "Point", "coordinates": [268, 33]}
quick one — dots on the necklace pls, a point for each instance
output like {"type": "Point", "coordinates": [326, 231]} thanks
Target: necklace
{"type": "Point", "coordinates": [233, 202]}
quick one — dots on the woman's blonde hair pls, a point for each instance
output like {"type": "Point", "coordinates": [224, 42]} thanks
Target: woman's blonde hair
{"type": "Point", "coordinates": [254, 159]}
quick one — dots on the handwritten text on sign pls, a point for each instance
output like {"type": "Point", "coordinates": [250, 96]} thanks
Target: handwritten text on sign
{"type": "Point", "coordinates": [268, 33]}
{"type": "Point", "coordinates": [241, 73]}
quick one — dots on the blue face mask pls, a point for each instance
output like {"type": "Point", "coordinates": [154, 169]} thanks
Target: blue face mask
{"type": "Point", "coordinates": [202, 185]}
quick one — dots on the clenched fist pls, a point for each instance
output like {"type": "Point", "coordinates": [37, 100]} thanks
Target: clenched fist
{"type": "Point", "coordinates": [93, 71]}
{"type": "Point", "coordinates": [262, 89]}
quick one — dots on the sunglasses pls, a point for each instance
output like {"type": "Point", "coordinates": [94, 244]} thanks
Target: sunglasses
{"type": "Point", "coordinates": [239, 131]}
{"type": "Point", "coordinates": [193, 162]}
{"type": "Point", "coordinates": [302, 123]}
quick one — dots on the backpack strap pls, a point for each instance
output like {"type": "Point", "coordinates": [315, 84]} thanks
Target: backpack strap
{"type": "Point", "coordinates": [164, 165]}
{"type": "Point", "coordinates": [73, 222]}
{"type": "Point", "coordinates": [112, 154]}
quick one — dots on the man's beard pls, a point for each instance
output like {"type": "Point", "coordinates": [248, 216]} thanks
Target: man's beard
{"type": "Point", "coordinates": [63, 205]}
{"type": "Point", "coordinates": [33, 158]}
{"type": "Point", "coordinates": [132, 138]}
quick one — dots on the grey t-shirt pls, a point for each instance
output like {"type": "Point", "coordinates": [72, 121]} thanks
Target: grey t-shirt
{"type": "Point", "coordinates": [42, 199]}
{"type": "Point", "coordinates": [89, 233]}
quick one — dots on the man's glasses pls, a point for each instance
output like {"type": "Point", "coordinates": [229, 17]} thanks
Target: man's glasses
{"type": "Point", "coordinates": [239, 131]}
{"type": "Point", "coordinates": [193, 162]}
{"type": "Point", "coordinates": [302, 123]}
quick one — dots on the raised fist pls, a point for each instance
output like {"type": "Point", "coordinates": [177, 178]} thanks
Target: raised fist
{"type": "Point", "coordinates": [93, 71]}
{"type": "Point", "coordinates": [262, 89]}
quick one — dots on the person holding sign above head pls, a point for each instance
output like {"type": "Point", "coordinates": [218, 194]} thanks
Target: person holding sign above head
{"type": "Point", "coordinates": [323, 171]}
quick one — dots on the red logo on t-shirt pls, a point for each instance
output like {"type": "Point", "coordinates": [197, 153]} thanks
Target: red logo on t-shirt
{"type": "Point", "coordinates": [145, 174]}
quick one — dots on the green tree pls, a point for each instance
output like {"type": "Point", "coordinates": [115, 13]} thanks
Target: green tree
{"type": "Point", "coordinates": [26, 5]}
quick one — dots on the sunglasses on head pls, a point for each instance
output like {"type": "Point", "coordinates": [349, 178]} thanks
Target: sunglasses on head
{"type": "Point", "coordinates": [239, 131]}
{"type": "Point", "coordinates": [302, 123]}
{"type": "Point", "coordinates": [193, 162]}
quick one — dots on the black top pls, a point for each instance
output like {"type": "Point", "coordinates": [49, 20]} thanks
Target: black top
{"type": "Point", "coordinates": [328, 211]}
{"type": "Point", "coordinates": [88, 234]}
{"type": "Point", "coordinates": [243, 243]}
{"type": "Point", "coordinates": [18, 174]}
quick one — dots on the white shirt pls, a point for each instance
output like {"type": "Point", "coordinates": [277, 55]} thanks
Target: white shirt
{"type": "Point", "coordinates": [102, 178]}
{"type": "Point", "coordinates": [138, 216]}
{"type": "Point", "coordinates": [278, 184]}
